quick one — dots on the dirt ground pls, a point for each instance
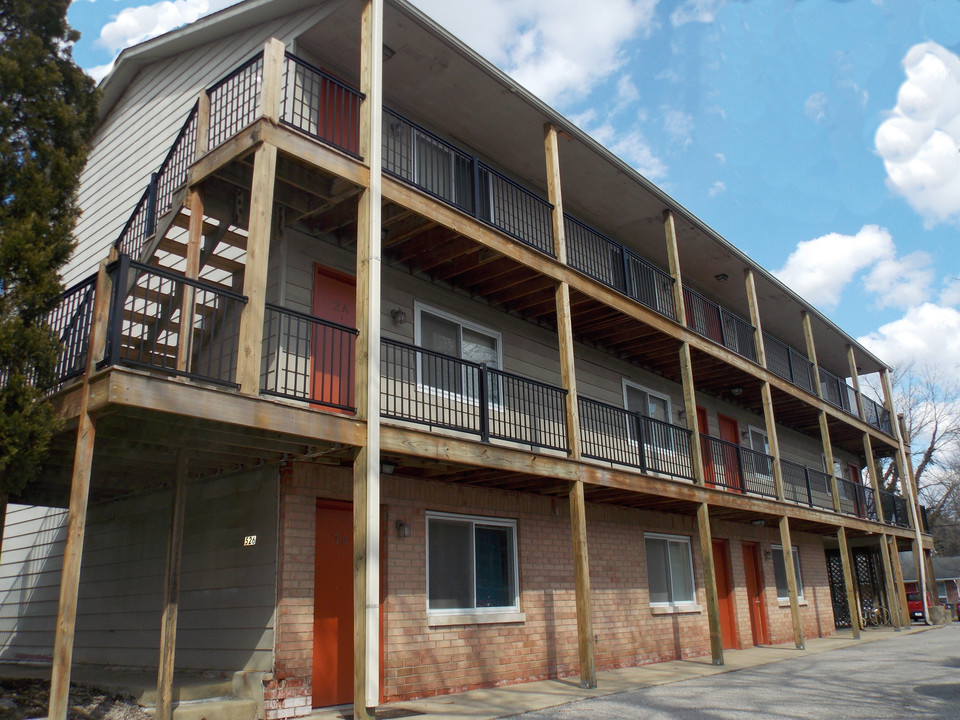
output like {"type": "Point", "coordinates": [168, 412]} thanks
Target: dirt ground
{"type": "Point", "coordinates": [21, 699]}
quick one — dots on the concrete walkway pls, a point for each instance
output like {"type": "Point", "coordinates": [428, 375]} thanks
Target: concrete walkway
{"type": "Point", "coordinates": [502, 702]}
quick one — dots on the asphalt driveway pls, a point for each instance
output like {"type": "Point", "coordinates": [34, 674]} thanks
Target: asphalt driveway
{"type": "Point", "coordinates": [903, 678]}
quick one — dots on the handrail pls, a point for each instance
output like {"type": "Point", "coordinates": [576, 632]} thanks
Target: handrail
{"type": "Point", "coordinates": [716, 323]}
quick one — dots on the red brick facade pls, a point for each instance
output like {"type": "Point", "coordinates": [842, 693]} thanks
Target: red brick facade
{"type": "Point", "coordinates": [420, 660]}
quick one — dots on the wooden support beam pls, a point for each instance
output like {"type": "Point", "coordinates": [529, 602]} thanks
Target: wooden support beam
{"type": "Point", "coordinates": [755, 316]}
{"type": "Point", "coordinates": [893, 598]}
{"type": "Point", "coordinates": [192, 271]}
{"type": "Point", "coordinates": [710, 582]}
{"type": "Point", "coordinates": [554, 193]}
{"type": "Point", "coordinates": [901, 586]}
{"type": "Point", "coordinates": [811, 352]}
{"type": "Point", "coordinates": [255, 276]}
{"type": "Point", "coordinates": [567, 369]}
{"type": "Point", "coordinates": [855, 378]}
{"type": "Point", "coordinates": [846, 563]}
{"type": "Point", "coordinates": [792, 588]}
{"type": "Point", "coordinates": [171, 592]}
{"type": "Point", "coordinates": [271, 92]}
{"type": "Point", "coordinates": [873, 475]}
{"type": "Point", "coordinates": [366, 467]}
{"type": "Point", "coordinates": [673, 258]}
{"type": "Point", "coordinates": [690, 411]}
{"type": "Point", "coordinates": [203, 125]}
{"type": "Point", "coordinates": [581, 575]}
{"type": "Point", "coordinates": [77, 512]}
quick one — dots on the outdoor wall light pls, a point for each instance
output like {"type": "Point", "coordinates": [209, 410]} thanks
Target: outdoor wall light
{"type": "Point", "coordinates": [722, 277]}
{"type": "Point", "coordinates": [387, 468]}
{"type": "Point", "coordinates": [403, 530]}
{"type": "Point", "coordinates": [758, 523]}
{"type": "Point", "coordinates": [736, 391]}
{"type": "Point", "coordinates": [681, 414]}
{"type": "Point", "coordinates": [399, 316]}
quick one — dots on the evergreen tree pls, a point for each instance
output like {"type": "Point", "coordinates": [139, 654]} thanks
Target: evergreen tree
{"type": "Point", "coordinates": [47, 111]}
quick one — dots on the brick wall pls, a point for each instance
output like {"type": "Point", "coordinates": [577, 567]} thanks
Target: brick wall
{"type": "Point", "coordinates": [421, 660]}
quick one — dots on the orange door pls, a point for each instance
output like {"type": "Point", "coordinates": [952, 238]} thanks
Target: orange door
{"type": "Point", "coordinates": [706, 450]}
{"type": "Point", "coordinates": [334, 300]}
{"type": "Point", "coordinates": [754, 582]}
{"type": "Point", "coordinates": [338, 116]}
{"type": "Point", "coordinates": [333, 606]}
{"type": "Point", "coordinates": [728, 621]}
{"type": "Point", "coordinates": [730, 432]}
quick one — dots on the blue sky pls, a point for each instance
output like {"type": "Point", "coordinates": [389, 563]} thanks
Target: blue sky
{"type": "Point", "coordinates": [822, 138]}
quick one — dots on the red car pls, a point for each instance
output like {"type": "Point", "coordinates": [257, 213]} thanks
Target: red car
{"type": "Point", "coordinates": [915, 604]}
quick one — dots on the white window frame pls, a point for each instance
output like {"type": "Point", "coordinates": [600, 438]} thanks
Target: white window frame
{"type": "Point", "coordinates": [683, 540]}
{"type": "Point", "coordinates": [766, 441]}
{"type": "Point", "coordinates": [796, 569]}
{"type": "Point", "coordinates": [624, 384]}
{"type": "Point", "coordinates": [506, 613]}
{"type": "Point", "coordinates": [418, 309]}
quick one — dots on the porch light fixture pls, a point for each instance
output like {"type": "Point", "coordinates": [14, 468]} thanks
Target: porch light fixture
{"type": "Point", "coordinates": [403, 529]}
{"type": "Point", "coordinates": [722, 277]}
{"type": "Point", "coordinates": [387, 468]}
{"type": "Point", "coordinates": [399, 316]}
{"type": "Point", "coordinates": [736, 391]}
{"type": "Point", "coordinates": [388, 52]}
{"type": "Point", "coordinates": [681, 414]}
{"type": "Point", "coordinates": [758, 523]}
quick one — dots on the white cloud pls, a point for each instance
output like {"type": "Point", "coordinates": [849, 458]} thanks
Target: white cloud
{"type": "Point", "coordinates": [701, 11]}
{"type": "Point", "coordinates": [626, 91]}
{"type": "Point", "coordinates": [133, 25]}
{"type": "Point", "coordinates": [928, 334]}
{"type": "Point", "coordinates": [558, 49]}
{"type": "Point", "coordinates": [950, 295]}
{"type": "Point", "coordinates": [920, 140]}
{"type": "Point", "coordinates": [717, 188]}
{"type": "Point", "coordinates": [679, 126]}
{"type": "Point", "coordinates": [99, 72]}
{"type": "Point", "coordinates": [632, 147]}
{"type": "Point", "coordinates": [815, 106]}
{"type": "Point", "coordinates": [902, 282]}
{"type": "Point", "coordinates": [721, 158]}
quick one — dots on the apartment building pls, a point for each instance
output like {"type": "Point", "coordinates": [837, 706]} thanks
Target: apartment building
{"type": "Point", "coordinates": [384, 380]}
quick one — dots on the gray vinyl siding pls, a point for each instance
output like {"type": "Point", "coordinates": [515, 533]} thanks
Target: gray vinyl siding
{"type": "Point", "coordinates": [227, 596]}
{"type": "Point", "coordinates": [134, 138]}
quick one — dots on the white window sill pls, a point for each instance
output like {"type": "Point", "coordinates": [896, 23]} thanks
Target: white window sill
{"type": "Point", "coordinates": [785, 602]}
{"type": "Point", "coordinates": [468, 618]}
{"type": "Point", "coordinates": [675, 609]}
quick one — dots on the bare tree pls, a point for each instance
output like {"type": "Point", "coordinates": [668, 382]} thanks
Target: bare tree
{"type": "Point", "coordinates": [930, 403]}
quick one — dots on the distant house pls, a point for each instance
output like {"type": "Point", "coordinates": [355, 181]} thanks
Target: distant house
{"type": "Point", "coordinates": [392, 382]}
{"type": "Point", "coordinates": [946, 571]}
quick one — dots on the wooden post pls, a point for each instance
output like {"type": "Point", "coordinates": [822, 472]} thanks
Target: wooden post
{"type": "Point", "coordinates": [192, 271]}
{"type": "Point", "coordinates": [255, 273]}
{"type": "Point", "coordinates": [848, 581]}
{"type": "Point", "coordinates": [901, 585]}
{"type": "Point", "coordinates": [690, 411]}
{"type": "Point", "coordinates": [271, 94]}
{"type": "Point", "coordinates": [755, 316]}
{"type": "Point", "coordinates": [792, 589]}
{"type": "Point", "coordinates": [366, 467]}
{"type": "Point", "coordinates": [811, 351]}
{"type": "Point", "coordinates": [171, 592]}
{"type": "Point", "coordinates": [564, 319]}
{"type": "Point", "coordinates": [581, 575]}
{"type": "Point", "coordinates": [203, 125]}
{"type": "Point", "coordinates": [893, 599]}
{"type": "Point", "coordinates": [908, 481]}
{"type": "Point", "coordinates": [872, 474]}
{"type": "Point", "coordinates": [77, 513]}
{"type": "Point", "coordinates": [554, 193]}
{"type": "Point", "coordinates": [673, 258]}
{"type": "Point", "coordinates": [855, 378]}
{"type": "Point", "coordinates": [710, 583]}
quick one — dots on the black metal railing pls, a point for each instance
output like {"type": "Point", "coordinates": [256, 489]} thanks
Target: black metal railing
{"type": "Point", "coordinates": [513, 209]}
{"type": "Point", "coordinates": [788, 363]}
{"type": "Point", "coordinates": [153, 309]}
{"type": "Point", "coordinates": [612, 264]}
{"type": "Point", "coordinates": [715, 323]}
{"type": "Point", "coordinates": [320, 105]}
{"type": "Point", "coordinates": [628, 438]}
{"type": "Point", "coordinates": [853, 497]}
{"type": "Point", "coordinates": [306, 358]}
{"type": "Point", "coordinates": [738, 468]}
{"type": "Point", "coordinates": [235, 101]}
{"type": "Point", "coordinates": [875, 414]}
{"type": "Point", "coordinates": [895, 510]}
{"type": "Point", "coordinates": [806, 486]}
{"type": "Point", "coordinates": [838, 393]}
{"type": "Point", "coordinates": [431, 388]}
{"type": "Point", "coordinates": [420, 158]}
{"type": "Point", "coordinates": [71, 321]}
